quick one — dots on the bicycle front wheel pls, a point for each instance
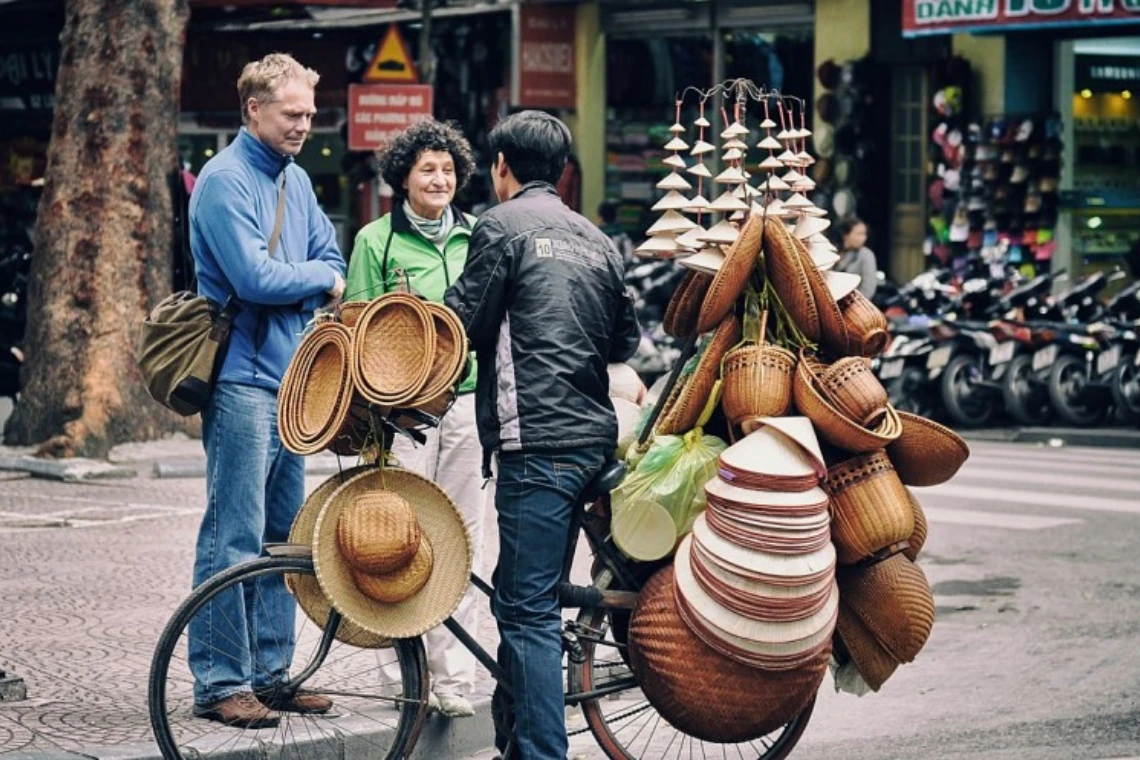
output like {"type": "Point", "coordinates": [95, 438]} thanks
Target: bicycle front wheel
{"type": "Point", "coordinates": [379, 694]}
{"type": "Point", "coordinates": [624, 723]}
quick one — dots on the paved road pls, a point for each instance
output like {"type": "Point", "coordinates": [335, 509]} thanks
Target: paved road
{"type": "Point", "coordinates": [1031, 555]}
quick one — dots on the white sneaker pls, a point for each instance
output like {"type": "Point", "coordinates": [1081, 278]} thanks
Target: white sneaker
{"type": "Point", "coordinates": [454, 706]}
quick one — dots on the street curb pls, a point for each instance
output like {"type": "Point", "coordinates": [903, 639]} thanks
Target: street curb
{"type": "Point", "coordinates": [67, 470]}
{"type": "Point", "coordinates": [1111, 438]}
{"type": "Point", "coordinates": [195, 467]}
{"type": "Point", "coordinates": [440, 738]}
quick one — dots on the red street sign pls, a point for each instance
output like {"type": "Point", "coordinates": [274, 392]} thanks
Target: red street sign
{"type": "Point", "coordinates": [546, 56]}
{"type": "Point", "coordinates": [379, 112]}
{"type": "Point", "coordinates": [947, 16]}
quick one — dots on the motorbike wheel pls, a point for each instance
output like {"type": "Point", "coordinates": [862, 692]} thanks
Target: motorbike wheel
{"type": "Point", "coordinates": [1126, 392]}
{"type": "Point", "coordinates": [907, 393]}
{"type": "Point", "coordinates": [1073, 402]}
{"type": "Point", "coordinates": [1025, 400]}
{"type": "Point", "coordinates": [966, 404]}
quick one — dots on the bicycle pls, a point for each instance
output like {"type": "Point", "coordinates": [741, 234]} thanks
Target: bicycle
{"type": "Point", "coordinates": [335, 658]}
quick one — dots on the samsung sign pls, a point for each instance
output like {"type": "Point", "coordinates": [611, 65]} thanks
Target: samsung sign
{"type": "Point", "coordinates": [947, 16]}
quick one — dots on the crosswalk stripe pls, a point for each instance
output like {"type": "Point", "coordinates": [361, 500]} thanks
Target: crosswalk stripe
{"type": "Point", "coordinates": [1094, 484]}
{"type": "Point", "coordinates": [1042, 455]}
{"type": "Point", "coordinates": [994, 519]}
{"type": "Point", "coordinates": [1036, 465]}
{"type": "Point", "coordinates": [952, 490]}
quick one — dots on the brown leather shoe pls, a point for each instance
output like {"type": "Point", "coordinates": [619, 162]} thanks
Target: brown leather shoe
{"type": "Point", "coordinates": [241, 710]}
{"type": "Point", "coordinates": [303, 702]}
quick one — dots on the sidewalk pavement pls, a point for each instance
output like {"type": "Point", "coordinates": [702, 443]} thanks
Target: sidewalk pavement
{"type": "Point", "coordinates": [93, 562]}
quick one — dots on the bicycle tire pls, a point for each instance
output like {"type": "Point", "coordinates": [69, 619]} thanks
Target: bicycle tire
{"type": "Point", "coordinates": [358, 718]}
{"type": "Point", "coordinates": [580, 679]}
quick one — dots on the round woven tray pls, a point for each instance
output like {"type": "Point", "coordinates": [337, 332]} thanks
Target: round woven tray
{"type": "Point", "coordinates": [918, 538]}
{"type": "Point", "coordinates": [832, 425]}
{"type": "Point", "coordinates": [702, 692]}
{"type": "Point", "coordinates": [787, 272]}
{"type": "Point", "coordinates": [732, 277]}
{"type": "Point", "coordinates": [926, 453]}
{"type": "Point", "coordinates": [349, 312]}
{"type": "Point", "coordinates": [893, 600]}
{"type": "Point", "coordinates": [393, 349]}
{"type": "Point", "coordinates": [305, 588]}
{"type": "Point", "coordinates": [684, 410]}
{"type": "Point", "coordinates": [870, 509]}
{"type": "Point", "coordinates": [866, 325]}
{"type": "Point", "coordinates": [447, 364]}
{"type": "Point", "coordinates": [757, 382]}
{"type": "Point", "coordinates": [317, 390]}
{"type": "Point", "coordinates": [681, 314]}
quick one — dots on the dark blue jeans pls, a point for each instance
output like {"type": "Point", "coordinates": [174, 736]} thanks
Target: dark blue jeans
{"type": "Point", "coordinates": [536, 496]}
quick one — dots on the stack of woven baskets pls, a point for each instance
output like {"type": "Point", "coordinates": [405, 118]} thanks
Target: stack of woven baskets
{"type": "Point", "coordinates": [395, 352]}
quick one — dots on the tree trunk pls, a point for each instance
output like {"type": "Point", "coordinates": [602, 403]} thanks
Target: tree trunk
{"type": "Point", "coordinates": [104, 229]}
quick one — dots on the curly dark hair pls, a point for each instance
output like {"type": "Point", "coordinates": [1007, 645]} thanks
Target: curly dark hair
{"type": "Point", "coordinates": [398, 157]}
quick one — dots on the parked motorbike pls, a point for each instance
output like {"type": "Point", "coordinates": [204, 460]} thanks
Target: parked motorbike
{"type": "Point", "coordinates": [902, 366]}
{"type": "Point", "coordinates": [1012, 359]}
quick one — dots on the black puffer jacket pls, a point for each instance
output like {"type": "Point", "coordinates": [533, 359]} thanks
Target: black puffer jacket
{"type": "Point", "coordinates": [545, 308]}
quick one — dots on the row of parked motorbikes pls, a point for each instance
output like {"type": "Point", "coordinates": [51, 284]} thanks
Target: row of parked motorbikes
{"type": "Point", "coordinates": [976, 346]}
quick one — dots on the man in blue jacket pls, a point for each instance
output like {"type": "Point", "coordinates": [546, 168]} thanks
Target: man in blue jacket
{"type": "Point", "coordinates": [279, 265]}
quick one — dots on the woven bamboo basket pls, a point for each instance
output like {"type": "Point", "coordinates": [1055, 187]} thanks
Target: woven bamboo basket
{"type": "Point", "coordinates": [918, 538]}
{"type": "Point", "coordinates": [757, 380]}
{"type": "Point", "coordinates": [866, 325]}
{"type": "Point", "coordinates": [852, 387]}
{"type": "Point", "coordinates": [680, 319]}
{"type": "Point", "coordinates": [393, 349]}
{"type": "Point", "coordinates": [350, 312]}
{"type": "Point", "coordinates": [870, 509]}
{"type": "Point", "coordinates": [732, 277]}
{"type": "Point", "coordinates": [317, 390]}
{"type": "Point", "coordinates": [873, 662]}
{"type": "Point", "coordinates": [893, 601]}
{"type": "Point", "coordinates": [787, 272]}
{"type": "Point", "coordinates": [682, 412]}
{"type": "Point", "coordinates": [926, 453]}
{"type": "Point", "coordinates": [702, 692]}
{"type": "Point", "coordinates": [831, 423]}
{"type": "Point", "coordinates": [447, 364]}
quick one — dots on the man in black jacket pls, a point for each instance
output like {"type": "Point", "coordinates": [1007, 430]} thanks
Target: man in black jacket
{"type": "Point", "coordinates": [546, 310]}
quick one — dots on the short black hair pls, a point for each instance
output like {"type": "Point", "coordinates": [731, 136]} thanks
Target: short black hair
{"type": "Point", "coordinates": [608, 211]}
{"type": "Point", "coordinates": [844, 227]}
{"type": "Point", "coordinates": [397, 158]}
{"type": "Point", "coordinates": [535, 145]}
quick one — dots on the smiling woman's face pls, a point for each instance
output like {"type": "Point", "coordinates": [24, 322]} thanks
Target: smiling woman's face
{"type": "Point", "coordinates": [431, 183]}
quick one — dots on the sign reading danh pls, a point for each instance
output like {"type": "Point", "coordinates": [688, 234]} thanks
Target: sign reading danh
{"type": "Point", "coordinates": [947, 16]}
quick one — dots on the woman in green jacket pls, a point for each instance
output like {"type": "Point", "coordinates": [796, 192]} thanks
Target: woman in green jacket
{"type": "Point", "coordinates": [422, 244]}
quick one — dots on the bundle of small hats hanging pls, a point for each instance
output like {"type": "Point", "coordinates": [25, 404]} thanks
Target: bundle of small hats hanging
{"type": "Point", "coordinates": [805, 551]}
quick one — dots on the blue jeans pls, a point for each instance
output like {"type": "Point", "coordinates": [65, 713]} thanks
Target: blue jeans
{"type": "Point", "coordinates": [536, 498]}
{"type": "Point", "coordinates": [243, 639]}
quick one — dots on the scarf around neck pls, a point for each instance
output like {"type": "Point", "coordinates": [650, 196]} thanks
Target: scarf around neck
{"type": "Point", "coordinates": [435, 230]}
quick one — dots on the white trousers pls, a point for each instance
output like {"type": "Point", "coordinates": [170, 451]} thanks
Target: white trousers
{"type": "Point", "coordinates": [453, 458]}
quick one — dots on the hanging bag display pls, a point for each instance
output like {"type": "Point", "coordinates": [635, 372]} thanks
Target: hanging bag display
{"type": "Point", "coordinates": [184, 340]}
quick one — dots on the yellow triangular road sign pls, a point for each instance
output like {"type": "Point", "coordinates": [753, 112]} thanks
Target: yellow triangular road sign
{"type": "Point", "coordinates": [392, 62]}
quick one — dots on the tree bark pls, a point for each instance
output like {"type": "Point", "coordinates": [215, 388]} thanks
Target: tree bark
{"type": "Point", "coordinates": [104, 230]}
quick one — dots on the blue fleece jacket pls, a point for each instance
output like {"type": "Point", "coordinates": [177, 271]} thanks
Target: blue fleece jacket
{"type": "Point", "coordinates": [232, 210]}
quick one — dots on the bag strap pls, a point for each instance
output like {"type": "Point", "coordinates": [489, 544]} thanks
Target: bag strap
{"type": "Point", "coordinates": [275, 236]}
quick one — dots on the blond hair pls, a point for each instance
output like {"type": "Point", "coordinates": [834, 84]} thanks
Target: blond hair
{"type": "Point", "coordinates": [260, 79]}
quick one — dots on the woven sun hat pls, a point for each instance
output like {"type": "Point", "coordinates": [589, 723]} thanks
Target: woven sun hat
{"type": "Point", "coordinates": [832, 424]}
{"type": "Point", "coordinates": [777, 454]}
{"type": "Point", "coordinates": [766, 567]}
{"type": "Point", "coordinates": [866, 325]}
{"type": "Point", "coordinates": [317, 390]}
{"type": "Point", "coordinates": [762, 638]}
{"type": "Point", "coordinates": [683, 410]}
{"type": "Point", "coordinates": [393, 349]}
{"type": "Point", "coordinates": [918, 538]}
{"type": "Point", "coordinates": [855, 642]}
{"type": "Point", "coordinates": [702, 692]}
{"type": "Point", "coordinates": [893, 600]}
{"type": "Point", "coordinates": [852, 388]}
{"type": "Point", "coordinates": [445, 547]}
{"type": "Point", "coordinates": [871, 515]}
{"type": "Point", "coordinates": [306, 588]}
{"type": "Point", "coordinates": [733, 275]}
{"type": "Point", "coordinates": [450, 358]}
{"type": "Point", "coordinates": [788, 274]}
{"type": "Point", "coordinates": [681, 314]}
{"type": "Point", "coordinates": [926, 453]}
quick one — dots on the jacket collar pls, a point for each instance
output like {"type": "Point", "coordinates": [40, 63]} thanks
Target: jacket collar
{"type": "Point", "coordinates": [259, 154]}
{"type": "Point", "coordinates": [401, 223]}
{"type": "Point", "coordinates": [535, 187]}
